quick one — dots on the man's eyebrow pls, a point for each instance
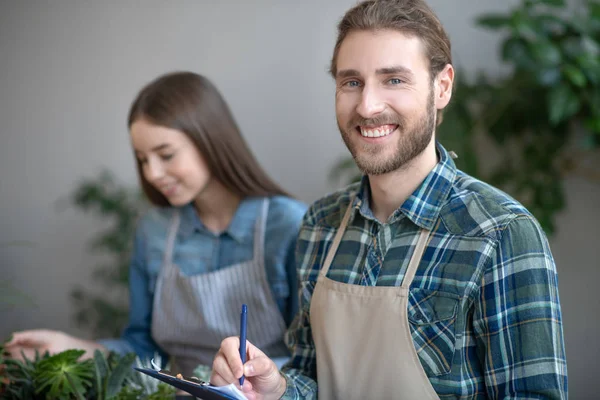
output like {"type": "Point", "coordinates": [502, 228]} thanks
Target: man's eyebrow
{"type": "Point", "coordinates": [397, 69]}
{"type": "Point", "coordinates": [347, 73]}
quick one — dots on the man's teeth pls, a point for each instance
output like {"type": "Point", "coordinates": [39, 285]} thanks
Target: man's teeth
{"type": "Point", "coordinates": [381, 131]}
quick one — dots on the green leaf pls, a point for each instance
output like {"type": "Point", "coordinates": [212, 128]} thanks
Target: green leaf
{"type": "Point", "coordinates": [493, 21]}
{"type": "Point", "coordinates": [79, 391]}
{"type": "Point", "coordinates": [551, 25]}
{"type": "Point", "coordinates": [574, 75]}
{"type": "Point", "coordinates": [590, 66]}
{"type": "Point", "coordinates": [594, 10]}
{"type": "Point", "coordinates": [594, 100]}
{"type": "Point", "coordinates": [523, 26]}
{"type": "Point", "coordinates": [118, 375]}
{"type": "Point", "coordinates": [549, 76]}
{"type": "Point", "coordinates": [101, 371]}
{"type": "Point", "coordinates": [593, 124]}
{"type": "Point", "coordinates": [546, 53]}
{"type": "Point", "coordinates": [516, 50]}
{"type": "Point", "coordinates": [591, 46]}
{"type": "Point", "coordinates": [563, 103]}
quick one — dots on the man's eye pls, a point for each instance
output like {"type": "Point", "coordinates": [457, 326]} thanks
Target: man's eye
{"type": "Point", "coordinates": [166, 157]}
{"type": "Point", "coordinates": [395, 81]}
{"type": "Point", "coordinates": [352, 84]}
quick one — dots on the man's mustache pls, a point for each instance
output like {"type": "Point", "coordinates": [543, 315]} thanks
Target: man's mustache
{"type": "Point", "coordinates": [385, 119]}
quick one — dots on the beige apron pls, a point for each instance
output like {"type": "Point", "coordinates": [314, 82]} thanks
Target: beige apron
{"type": "Point", "coordinates": [193, 314]}
{"type": "Point", "coordinates": [362, 336]}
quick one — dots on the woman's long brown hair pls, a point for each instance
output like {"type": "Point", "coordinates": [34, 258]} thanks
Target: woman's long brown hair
{"type": "Point", "coordinates": [191, 104]}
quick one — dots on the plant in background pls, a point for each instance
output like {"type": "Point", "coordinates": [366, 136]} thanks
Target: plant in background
{"type": "Point", "coordinates": [544, 117]}
{"type": "Point", "coordinates": [104, 197]}
{"type": "Point", "coordinates": [541, 121]}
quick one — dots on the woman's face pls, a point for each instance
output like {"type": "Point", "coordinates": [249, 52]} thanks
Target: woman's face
{"type": "Point", "coordinates": [170, 162]}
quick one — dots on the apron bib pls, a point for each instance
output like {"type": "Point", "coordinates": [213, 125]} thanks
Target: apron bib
{"type": "Point", "coordinates": [193, 314]}
{"type": "Point", "coordinates": [362, 336]}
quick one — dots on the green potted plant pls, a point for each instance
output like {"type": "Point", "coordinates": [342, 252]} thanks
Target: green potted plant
{"type": "Point", "coordinates": [65, 376]}
{"type": "Point", "coordinates": [544, 116]}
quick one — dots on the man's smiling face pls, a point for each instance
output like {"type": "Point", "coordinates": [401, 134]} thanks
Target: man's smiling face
{"type": "Point", "coordinates": [384, 99]}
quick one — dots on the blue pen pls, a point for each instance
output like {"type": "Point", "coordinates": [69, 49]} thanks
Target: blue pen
{"type": "Point", "coordinates": [243, 339]}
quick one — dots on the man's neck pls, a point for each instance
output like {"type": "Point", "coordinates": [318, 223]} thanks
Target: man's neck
{"type": "Point", "coordinates": [390, 191]}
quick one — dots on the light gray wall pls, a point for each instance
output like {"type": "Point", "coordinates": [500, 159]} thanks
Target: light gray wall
{"type": "Point", "coordinates": [70, 68]}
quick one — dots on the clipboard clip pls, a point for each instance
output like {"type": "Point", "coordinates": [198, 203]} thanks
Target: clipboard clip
{"type": "Point", "coordinates": [191, 379]}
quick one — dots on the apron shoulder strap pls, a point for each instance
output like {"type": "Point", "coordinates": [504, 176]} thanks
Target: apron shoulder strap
{"type": "Point", "coordinates": [260, 231]}
{"type": "Point", "coordinates": [337, 239]}
{"type": "Point", "coordinates": [171, 235]}
{"type": "Point", "coordinates": [415, 260]}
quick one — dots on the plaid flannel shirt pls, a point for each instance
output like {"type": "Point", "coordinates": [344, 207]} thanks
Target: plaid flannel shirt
{"type": "Point", "coordinates": [484, 310]}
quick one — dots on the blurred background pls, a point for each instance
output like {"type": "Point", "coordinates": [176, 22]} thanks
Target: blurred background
{"type": "Point", "coordinates": [525, 116]}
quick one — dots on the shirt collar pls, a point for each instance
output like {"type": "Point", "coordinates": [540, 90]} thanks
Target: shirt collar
{"type": "Point", "coordinates": [241, 227]}
{"type": "Point", "coordinates": [423, 206]}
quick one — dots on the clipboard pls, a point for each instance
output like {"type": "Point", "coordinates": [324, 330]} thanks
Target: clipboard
{"type": "Point", "coordinates": [195, 387]}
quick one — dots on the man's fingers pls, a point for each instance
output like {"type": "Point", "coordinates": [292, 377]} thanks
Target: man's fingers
{"type": "Point", "coordinates": [248, 390]}
{"type": "Point", "coordinates": [253, 351]}
{"type": "Point", "coordinates": [230, 349]}
{"type": "Point", "coordinates": [223, 371]}
{"type": "Point", "coordinates": [228, 368]}
{"type": "Point", "coordinates": [261, 365]}
{"type": "Point", "coordinates": [247, 387]}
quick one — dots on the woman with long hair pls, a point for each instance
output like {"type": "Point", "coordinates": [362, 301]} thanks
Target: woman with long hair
{"type": "Point", "coordinates": [221, 234]}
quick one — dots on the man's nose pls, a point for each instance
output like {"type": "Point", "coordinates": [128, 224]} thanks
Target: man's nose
{"type": "Point", "coordinates": [371, 102]}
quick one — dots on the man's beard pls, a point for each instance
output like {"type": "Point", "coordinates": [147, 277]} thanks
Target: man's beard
{"type": "Point", "coordinates": [410, 144]}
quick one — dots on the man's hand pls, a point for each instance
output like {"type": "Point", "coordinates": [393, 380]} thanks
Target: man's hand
{"type": "Point", "coordinates": [262, 378]}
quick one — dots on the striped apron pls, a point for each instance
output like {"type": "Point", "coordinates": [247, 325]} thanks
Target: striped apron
{"type": "Point", "coordinates": [193, 314]}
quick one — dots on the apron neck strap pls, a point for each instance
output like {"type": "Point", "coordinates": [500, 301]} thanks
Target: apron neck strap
{"type": "Point", "coordinates": [171, 235]}
{"type": "Point", "coordinates": [337, 239]}
{"type": "Point", "coordinates": [260, 229]}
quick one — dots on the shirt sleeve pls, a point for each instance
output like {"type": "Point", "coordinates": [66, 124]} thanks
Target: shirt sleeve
{"type": "Point", "coordinates": [137, 335]}
{"type": "Point", "coordinates": [292, 276]}
{"type": "Point", "coordinates": [300, 371]}
{"type": "Point", "coordinates": [517, 318]}
{"type": "Point", "coordinates": [283, 223]}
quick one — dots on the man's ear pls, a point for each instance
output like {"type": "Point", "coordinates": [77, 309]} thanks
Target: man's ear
{"type": "Point", "coordinates": [443, 87]}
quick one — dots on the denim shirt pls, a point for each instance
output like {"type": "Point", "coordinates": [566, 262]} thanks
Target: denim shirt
{"type": "Point", "coordinates": [197, 251]}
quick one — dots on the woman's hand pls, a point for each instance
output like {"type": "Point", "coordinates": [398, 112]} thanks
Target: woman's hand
{"type": "Point", "coordinates": [25, 343]}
